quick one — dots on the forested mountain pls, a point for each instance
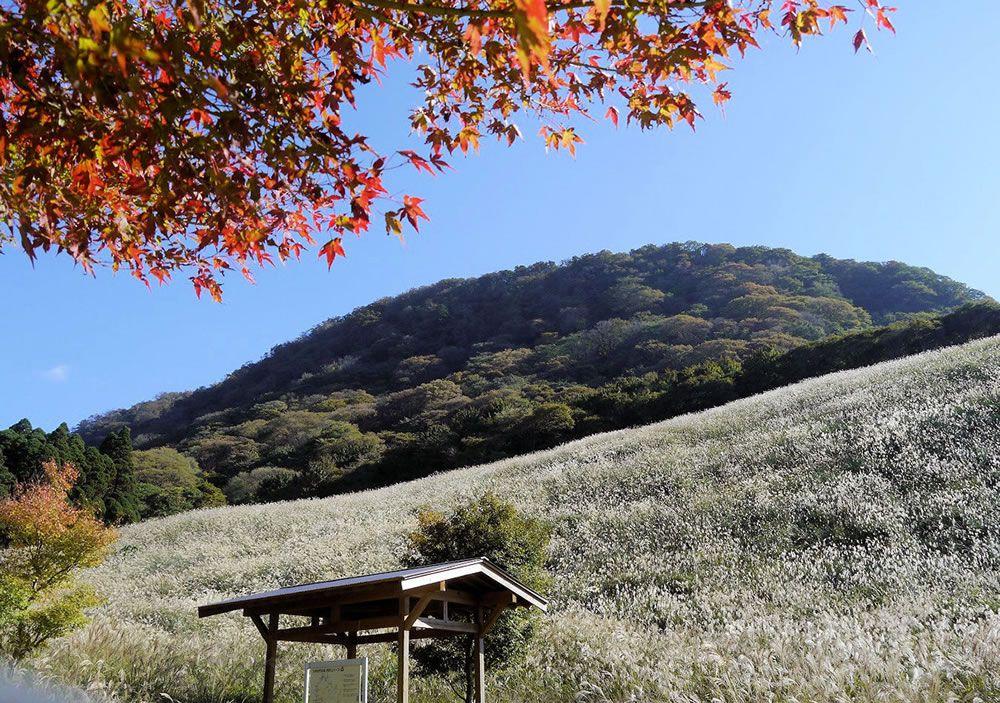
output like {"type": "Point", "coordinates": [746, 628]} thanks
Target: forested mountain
{"type": "Point", "coordinates": [474, 369]}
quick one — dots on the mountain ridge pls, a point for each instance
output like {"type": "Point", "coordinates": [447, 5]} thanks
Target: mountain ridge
{"type": "Point", "coordinates": [431, 377]}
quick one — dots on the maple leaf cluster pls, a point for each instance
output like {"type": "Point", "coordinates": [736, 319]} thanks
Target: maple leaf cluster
{"type": "Point", "coordinates": [206, 135]}
{"type": "Point", "coordinates": [42, 526]}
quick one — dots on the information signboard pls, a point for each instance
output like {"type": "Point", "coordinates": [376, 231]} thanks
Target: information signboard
{"type": "Point", "coordinates": [342, 681]}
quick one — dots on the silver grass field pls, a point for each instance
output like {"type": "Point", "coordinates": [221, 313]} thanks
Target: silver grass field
{"type": "Point", "coordinates": [836, 540]}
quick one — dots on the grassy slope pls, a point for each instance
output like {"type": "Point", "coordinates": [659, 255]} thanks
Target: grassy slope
{"type": "Point", "coordinates": [834, 540]}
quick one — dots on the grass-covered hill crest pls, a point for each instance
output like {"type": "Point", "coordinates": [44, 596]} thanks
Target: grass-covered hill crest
{"type": "Point", "coordinates": [472, 370]}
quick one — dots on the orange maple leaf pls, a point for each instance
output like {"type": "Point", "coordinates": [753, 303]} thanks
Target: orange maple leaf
{"type": "Point", "coordinates": [331, 250]}
{"type": "Point", "coordinates": [531, 18]}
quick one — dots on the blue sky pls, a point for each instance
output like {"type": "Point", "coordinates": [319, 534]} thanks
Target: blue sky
{"type": "Point", "coordinates": [887, 157]}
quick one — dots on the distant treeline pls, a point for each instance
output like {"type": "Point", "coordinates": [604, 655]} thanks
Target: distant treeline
{"type": "Point", "coordinates": [509, 422]}
{"type": "Point", "coordinates": [123, 485]}
{"type": "Point", "coordinates": [118, 484]}
{"type": "Point", "coordinates": [107, 483]}
{"type": "Point", "coordinates": [650, 398]}
{"type": "Point", "coordinates": [867, 347]}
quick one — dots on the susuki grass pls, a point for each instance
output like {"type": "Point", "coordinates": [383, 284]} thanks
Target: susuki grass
{"type": "Point", "coordinates": [838, 540]}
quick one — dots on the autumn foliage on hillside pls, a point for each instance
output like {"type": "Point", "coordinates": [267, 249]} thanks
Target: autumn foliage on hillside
{"type": "Point", "coordinates": [207, 135]}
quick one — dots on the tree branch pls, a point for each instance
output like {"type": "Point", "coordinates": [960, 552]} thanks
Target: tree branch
{"type": "Point", "coordinates": [472, 12]}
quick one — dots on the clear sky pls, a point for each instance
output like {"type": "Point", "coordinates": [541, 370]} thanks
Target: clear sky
{"type": "Point", "coordinates": [887, 157]}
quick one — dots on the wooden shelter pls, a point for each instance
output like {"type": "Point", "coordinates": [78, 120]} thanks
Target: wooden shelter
{"type": "Point", "coordinates": [459, 598]}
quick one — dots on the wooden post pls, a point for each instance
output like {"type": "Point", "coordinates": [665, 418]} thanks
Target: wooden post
{"type": "Point", "coordinates": [403, 654]}
{"type": "Point", "coordinates": [352, 645]}
{"type": "Point", "coordinates": [480, 660]}
{"type": "Point", "coordinates": [403, 677]}
{"type": "Point", "coordinates": [480, 671]}
{"type": "Point", "coordinates": [270, 653]}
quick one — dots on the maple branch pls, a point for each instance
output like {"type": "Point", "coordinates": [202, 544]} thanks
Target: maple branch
{"type": "Point", "coordinates": [190, 148]}
{"type": "Point", "coordinates": [439, 10]}
{"type": "Point", "coordinates": [408, 31]}
{"type": "Point", "coordinates": [472, 12]}
{"type": "Point", "coordinates": [600, 69]}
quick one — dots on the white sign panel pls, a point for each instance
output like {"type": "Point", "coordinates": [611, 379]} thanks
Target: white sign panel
{"type": "Point", "coordinates": [342, 681]}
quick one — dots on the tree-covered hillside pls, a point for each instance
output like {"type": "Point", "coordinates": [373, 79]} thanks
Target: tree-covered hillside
{"type": "Point", "coordinates": [475, 369]}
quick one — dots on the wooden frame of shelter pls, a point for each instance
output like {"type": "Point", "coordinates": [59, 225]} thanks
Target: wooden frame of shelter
{"type": "Point", "coordinates": [444, 600]}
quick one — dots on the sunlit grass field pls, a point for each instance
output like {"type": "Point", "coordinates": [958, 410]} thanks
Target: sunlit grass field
{"type": "Point", "coordinates": [837, 540]}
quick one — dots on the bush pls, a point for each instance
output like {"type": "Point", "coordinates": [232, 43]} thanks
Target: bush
{"type": "Point", "coordinates": [492, 528]}
{"type": "Point", "coordinates": [170, 483]}
{"type": "Point", "coordinates": [263, 484]}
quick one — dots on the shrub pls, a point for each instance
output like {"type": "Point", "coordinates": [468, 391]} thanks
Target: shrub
{"type": "Point", "coordinates": [492, 528]}
{"type": "Point", "coordinates": [170, 483]}
{"type": "Point", "coordinates": [262, 484]}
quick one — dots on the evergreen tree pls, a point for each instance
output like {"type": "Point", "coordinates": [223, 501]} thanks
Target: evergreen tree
{"type": "Point", "coordinates": [122, 503]}
{"type": "Point", "coordinates": [96, 471]}
{"type": "Point", "coordinates": [24, 449]}
{"type": "Point", "coordinates": [7, 480]}
{"type": "Point", "coordinates": [106, 484]}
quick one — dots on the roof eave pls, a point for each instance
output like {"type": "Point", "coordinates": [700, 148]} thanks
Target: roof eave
{"type": "Point", "coordinates": [426, 577]}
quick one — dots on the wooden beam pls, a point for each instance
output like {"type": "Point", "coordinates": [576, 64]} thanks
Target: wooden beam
{"type": "Point", "coordinates": [328, 638]}
{"type": "Point", "coordinates": [504, 580]}
{"type": "Point", "coordinates": [505, 597]}
{"type": "Point", "coordinates": [480, 661]}
{"type": "Point", "coordinates": [261, 627]}
{"type": "Point", "coordinates": [270, 654]}
{"type": "Point", "coordinates": [337, 626]}
{"type": "Point", "coordinates": [380, 637]}
{"type": "Point", "coordinates": [316, 600]}
{"type": "Point", "coordinates": [495, 613]}
{"type": "Point", "coordinates": [447, 625]}
{"type": "Point", "coordinates": [308, 605]}
{"type": "Point", "coordinates": [422, 627]}
{"type": "Point", "coordinates": [420, 607]}
{"type": "Point", "coordinates": [452, 595]}
{"type": "Point", "coordinates": [330, 609]}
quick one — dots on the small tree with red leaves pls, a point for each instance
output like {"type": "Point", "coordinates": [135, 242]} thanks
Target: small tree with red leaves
{"type": "Point", "coordinates": [45, 540]}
